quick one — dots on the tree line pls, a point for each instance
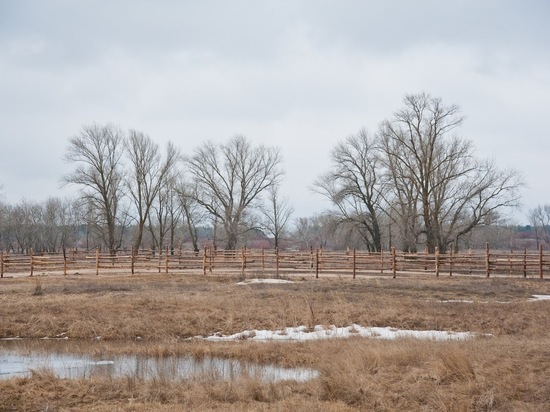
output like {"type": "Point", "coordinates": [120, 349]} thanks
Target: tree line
{"type": "Point", "coordinates": [414, 182]}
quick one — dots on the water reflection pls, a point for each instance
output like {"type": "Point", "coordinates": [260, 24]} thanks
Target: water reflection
{"type": "Point", "coordinates": [19, 362]}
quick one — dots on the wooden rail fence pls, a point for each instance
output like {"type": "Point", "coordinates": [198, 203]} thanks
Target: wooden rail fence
{"type": "Point", "coordinates": [274, 262]}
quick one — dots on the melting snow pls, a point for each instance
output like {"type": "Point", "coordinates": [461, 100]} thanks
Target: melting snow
{"type": "Point", "coordinates": [250, 281]}
{"type": "Point", "coordinates": [468, 301]}
{"type": "Point", "coordinates": [540, 297]}
{"type": "Point", "coordinates": [456, 301]}
{"type": "Point", "coordinates": [303, 333]}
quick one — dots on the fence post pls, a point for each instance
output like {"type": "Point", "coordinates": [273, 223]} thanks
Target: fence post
{"type": "Point", "coordinates": [243, 262]}
{"type": "Point", "coordinates": [317, 264]}
{"type": "Point", "coordinates": [436, 261]}
{"type": "Point", "coordinates": [166, 263]}
{"type": "Point", "coordinates": [470, 261]}
{"type": "Point", "coordinates": [204, 261]}
{"type": "Point", "coordinates": [263, 260]}
{"type": "Point", "coordinates": [132, 260]}
{"type": "Point", "coordinates": [2, 264]}
{"type": "Point", "coordinates": [541, 266]}
{"type": "Point", "coordinates": [32, 261]}
{"type": "Point", "coordinates": [382, 261]}
{"type": "Point", "coordinates": [211, 260]}
{"type": "Point", "coordinates": [160, 258]}
{"type": "Point", "coordinates": [487, 260]}
{"type": "Point", "coordinates": [525, 262]}
{"type": "Point", "coordinates": [354, 258]}
{"type": "Point", "coordinates": [451, 261]}
{"type": "Point", "coordinates": [64, 261]}
{"type": "Point", "coordinates": [426, 252]}
{"type": "Point", "coordinates": [277, 262]}
{"type": "Point", "coordinates": [393, 262]}
{"type": "Point", "coordinates": [97, 261]}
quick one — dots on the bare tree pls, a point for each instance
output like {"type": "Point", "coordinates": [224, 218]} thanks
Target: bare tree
{"type": "Point", "coordinates": [540, 220]}
{"type": "Point", "coordinates": [165, 216]}
{"type": "Point", "coordinates": [70, 218]}
{"type": "Point", "coordinates": [36, 225]}
{"type": "Point", "coordinates": [149, 174]}
{"type": "Point", "coordinates": [56, 225]}
{"type": "Point", "coordinates": [52, 226]}
{"type": "Point", "coordinates": [276, 214]}
{"type": "Point", "coordinates": [24, 220]}
{"type": "Point", "coordinates": [5, 227]}
{"type": "Point", "coordinates": [158, 218]}
{"type": "Point", "coordinates": [313, 231]}
{"type": "Point", "coordinates": [230, 178]}
{"type": "Point", "coordinates": [401, 197]}
{"type": "Point", "coordinates": [190, 210]}
{"type": "Point", "coordinates": [174, 210]}
{"type": "Point", "coordinates": [456, 191]}
{"type": "Point", "coordinates": [97, 152]}
{"type": "Point", "coordinates": [354, 186]}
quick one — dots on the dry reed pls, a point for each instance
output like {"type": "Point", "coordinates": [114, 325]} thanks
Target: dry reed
{"type": "Point", "coordinates": [154, 315]}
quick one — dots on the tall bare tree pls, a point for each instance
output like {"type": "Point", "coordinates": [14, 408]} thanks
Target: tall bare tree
{"type": "Point", "coordinates": [276, 214]}
{"type": "Point", "coordinates": [174, 211]}
{"type": "Point", "coordinates": [354, 186]}
{"type": "Point", "coordinates": [149, 174]}
{"type": "Point", "coordinates": [97, 153]}
{"type": "Point", "coordinates": [400, 197]}
{"type": "Point", "coordinates": [230, 178]}
{"type": "Point", "coordinates": [166, 215]}
{"type": "Point", "coordinates": [455, 190]}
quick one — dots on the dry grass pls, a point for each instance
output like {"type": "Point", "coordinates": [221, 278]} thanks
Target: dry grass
{"type": "Point", "coordinates": [505, 372]}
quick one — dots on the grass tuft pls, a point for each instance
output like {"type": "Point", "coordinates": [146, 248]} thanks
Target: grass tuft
{"type": "Point", "coordinates": [453, 364]}
{"type": "Point", "coordinates": [37, 290]}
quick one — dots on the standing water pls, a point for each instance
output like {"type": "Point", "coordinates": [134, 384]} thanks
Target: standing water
{"type": "Point", "coordinates": [19, 362]}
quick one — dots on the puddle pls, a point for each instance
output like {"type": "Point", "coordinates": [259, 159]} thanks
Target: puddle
{"type": "Point", "coordinates": [20, 363]}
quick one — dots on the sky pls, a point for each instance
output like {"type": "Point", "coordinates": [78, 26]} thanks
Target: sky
{"type": "Point", "coordinates": [297, 74]}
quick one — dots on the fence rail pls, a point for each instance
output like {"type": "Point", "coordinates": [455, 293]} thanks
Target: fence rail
{"type": "Point", "coordinates": [254, 262]}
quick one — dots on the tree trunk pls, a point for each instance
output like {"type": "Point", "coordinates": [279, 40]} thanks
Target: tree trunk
{"type": "Point", "coordinates": [139, 238]}
{"type": "Point", "coordinates": [231, 241]}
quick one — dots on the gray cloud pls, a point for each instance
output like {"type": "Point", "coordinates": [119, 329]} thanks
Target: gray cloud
{"type": "Point", "coordinates": [298, 74]}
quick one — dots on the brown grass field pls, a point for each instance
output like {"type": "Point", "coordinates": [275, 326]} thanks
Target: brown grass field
{"type": "Point", "coordinates": [154, 314]}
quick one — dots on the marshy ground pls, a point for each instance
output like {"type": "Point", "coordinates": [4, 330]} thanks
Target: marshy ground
{"type": "Point", "coordinates": [505, 368]}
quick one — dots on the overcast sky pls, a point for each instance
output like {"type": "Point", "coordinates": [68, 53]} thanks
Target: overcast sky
{"type": "Point", "coordinates": [300, 75]}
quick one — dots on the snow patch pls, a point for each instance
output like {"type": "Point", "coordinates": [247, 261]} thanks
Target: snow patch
{"type": "Point", "coordinates": [539, 297]}
{"type": "Point", "coordinates": [303, 333]}
{"type": "Point", "coordinates": [251, 281]}
{"type": "Point", "coordinates": [457, 301]}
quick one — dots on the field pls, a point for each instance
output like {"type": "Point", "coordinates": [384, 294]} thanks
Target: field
{"type": "Point", "coordinates": [505, 368]}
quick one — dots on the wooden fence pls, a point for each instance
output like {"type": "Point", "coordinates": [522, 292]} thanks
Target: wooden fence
{"type": "Point", "coordinates": [269, 262]}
